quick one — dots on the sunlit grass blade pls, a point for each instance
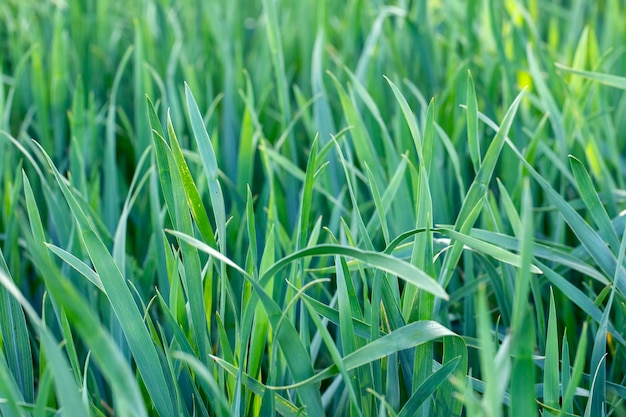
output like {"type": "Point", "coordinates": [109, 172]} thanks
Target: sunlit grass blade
{"type": "Point", "coordinates": [191, 191]}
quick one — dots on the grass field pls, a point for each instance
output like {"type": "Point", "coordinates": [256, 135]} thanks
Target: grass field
{"type": "Point", "coordinates": [310, 208]}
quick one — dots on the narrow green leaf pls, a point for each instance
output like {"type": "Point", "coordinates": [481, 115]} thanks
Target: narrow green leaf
{"type": "Point", "coordinates": [602, 78]}
{"type": "Point", "coordinates": [551, 389]}
{"type": "Point", "coordinates": [477, 192]}
{"type": "Point", "coordinates": [123, 305]}
{"type": "Point", "coordinates": [472, 124]}
{"type": "Point", "coordinates": [592, 202]}
{"type": "Point", "coordinates": [209, 163]}
{"type": "Point", "coordinates": [15, 340]}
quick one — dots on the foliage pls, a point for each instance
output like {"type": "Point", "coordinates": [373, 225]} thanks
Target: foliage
{"type": "Point", "coordinates": [255, 208]}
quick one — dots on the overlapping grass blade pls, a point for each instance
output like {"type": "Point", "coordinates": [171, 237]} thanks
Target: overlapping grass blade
{"type": "Point", "coordinates": [522, 389]}
{"type": "Point", "coordinates": [551, 383]}
{"type": "Point", "coordinates": [209, 163]}
{"type": "Point", "coordinates": [467, 215]}
{"type": "Point", "coordinates": [594, 205]}
{"type": "Point", "coordinates": [603, 78]}
{"type": "Point", "coordinates": [15, 340]}
{"type": "Point", "coordinates": [123, 305]}
{"type": "Point", "coordinates": [66, 388]}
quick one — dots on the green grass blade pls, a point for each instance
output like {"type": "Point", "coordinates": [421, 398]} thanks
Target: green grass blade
{"type": "Point", "coordinates": [123, 305]}
{"type": "Point", "coordinates": [12, 398]}
{"type": "Point", "coordinates": [606, 79]}
{"type": "Point", "coordinates": [522, 388]}
{"type": "Point", "coordinates": [594, 205]}
{"type": "Point", "coordinates": [477, 192]}
{"type": "Point", "coordinates": [588, 237]}
{"type": "Point", "coordinates": [472, 124]}
{"type": "Point", "coordinates": [209, 163]}
{"type": "Point", "coordinates": [15, 340]}
{"type": "Point", "coordinates": [191, 191]}
{"type": "Point", "coordinates": [551, 389]}
{"type": "Point", "coordinates": [377, 260]}
{"type": "Point", "coordinates": [428, 387]}
{"type": "Point", "coordinates": [66, 388]}
{"type": "Point", "coordinates": [488, 249]}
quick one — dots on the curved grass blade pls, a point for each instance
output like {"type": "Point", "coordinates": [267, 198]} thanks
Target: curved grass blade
{"type": "Point", "coordinates": [477, 192]}
{"type": "Point", "coordinates": [124, 306]}
{"type": "Point", "coordinates": [381, 261]}
{"type": "Point", "coordinates": [285, 333]}
{"type": "Point", "coordinates": [592, 202]}
{"type": "Point", "coordinates": [487, 249]}
{"type": "Point", "coordinates": [65, 383]}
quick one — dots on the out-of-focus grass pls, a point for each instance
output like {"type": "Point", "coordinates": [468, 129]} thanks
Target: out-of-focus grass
{"type": "Point", "coordinates": [349, 208]}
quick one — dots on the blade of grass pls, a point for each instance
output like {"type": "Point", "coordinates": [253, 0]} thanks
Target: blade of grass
{"type": "Point", "coordinates": [123, 305]}
{"type": "Point", "coordinates": [592, 202]}
{"type": "Point", "coordinates": [15, 340]}
{"type": "Point", "coordinates": [606, 79]}
{"type": "Point", "coordinates": [551, 389]}
{"type": "Point", "coordinates": [477, 192]}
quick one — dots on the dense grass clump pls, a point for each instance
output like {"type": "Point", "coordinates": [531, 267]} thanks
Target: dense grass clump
{"type": "Point", "coordinates": [310, 208]}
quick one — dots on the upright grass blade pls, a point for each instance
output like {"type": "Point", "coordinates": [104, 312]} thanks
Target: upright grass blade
{"type": "Point", "coordinates": [477, 192]}
{"type": "Point", "coordinates": [551, 387]}
{"type": "Point", "coordinates": [594, 205]}
{"type": "Point", "coordinates": [15, 340]}
{"type": "Point", "coordinates": [589, 238]}
{"type": "Point", "coordinates": [12, 398]}
{"type": "Point", "coordinates": [113, 365]}
{"type": "Point", "coordinates": [522, 388]}
{"type": "Point", "coordinates": [67, 391]}
{"type": "Point", "coordinates": [111, 198]}
{"type": "Point", "coordinates": [124, 306]}
{"type": "Point", "coordinates": [597, 404]}
{"type": "Point", "coordinates": [577, 372]}
{"type": "Point", "coordinates": [472, 124]}
{"type": "Point", "coordinates": [361, 139]}
{"type": "Point", "coordinates": [209, 163]}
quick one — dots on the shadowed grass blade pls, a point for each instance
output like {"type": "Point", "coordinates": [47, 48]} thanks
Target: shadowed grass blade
{"type": "Point", "coordinates": [15, 340]}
